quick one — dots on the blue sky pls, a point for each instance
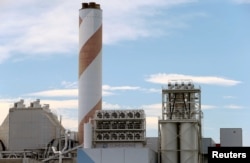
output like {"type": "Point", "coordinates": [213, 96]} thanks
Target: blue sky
{"type": "Point", "coordinates": [145, 44]}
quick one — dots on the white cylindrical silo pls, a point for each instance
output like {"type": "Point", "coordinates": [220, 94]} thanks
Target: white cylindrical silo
{"type": "Point", "coordinates": [169, 153]}
{"type": "Point", "coordinates": [90, 64]}
{"type": "Point", "coordinates": [189, 142]}
{"type": "Point", "coordinates": [87, 135]}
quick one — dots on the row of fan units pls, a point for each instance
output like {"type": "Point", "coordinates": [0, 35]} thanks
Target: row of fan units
{"type": "Point", "coordinates": [181, 85]}
{"type": "Point", "coordinates": [120, 125]}
{"type": "Point", "coordinates": [186, 95]}
{"type": "Point", "coordinates": [120, 136]}
{"type": "Point", "coordinates": [119, 114]}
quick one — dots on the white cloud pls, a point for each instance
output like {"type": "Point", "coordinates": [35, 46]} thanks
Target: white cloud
{"type": "Point", "coordinates": [50, 32]}
{"type": "Point", "coordinates": [111, 88]}
{"type": "Point", "coordinates": [133, 17]}
{"type": "Point", "coordinates": [152, 123]}
{"type": "Point", "coordinates": [109, 106]}
{"type": "Point", "coordinates": [4, 54]}
{"type": "Point", "coordinates": [106, 90]}
{"type": "Point", "coordinates": [68, 85]}
{"type": "Point", "coordinates": [232, 106]}
{"type": "Point", "coordinates": [32, 28]}
{"type": "Point", "coordinates": [55, 93]}
{"type": "Point", "coordinates": [5, 104]}
{"type": "Point", "coordinates": [61, 104]}
{"type": "Point", "coordinates": [151, 90]}
{"type": "Point", "coordinates": [107, 93]}
{"type": "Point", "coordinates": [229, 97]}
{"type": "Point", "coordinates": [208, 107]}
{"type": "Point", "coordinates": [70, 124]}
{"type": "Point", "coordinates": [162, 78]}
{"type": "Point", "coordinates": [152, 110]}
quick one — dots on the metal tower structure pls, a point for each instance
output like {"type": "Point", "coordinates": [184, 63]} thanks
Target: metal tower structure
{"type": "Point", "coordinates": [180, 126]}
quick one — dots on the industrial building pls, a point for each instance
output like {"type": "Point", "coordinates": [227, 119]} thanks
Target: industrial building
{"type": "Point", "coordinates": [34, 134]}
{"type": "Point", "coordinates": [23, 128]}
{"type": "Point", "coordinates": [180, 127]}
{"type": "Point", "coordinates": [117, 135]}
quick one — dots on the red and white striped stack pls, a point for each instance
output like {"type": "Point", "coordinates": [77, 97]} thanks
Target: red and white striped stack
{"type": "Point", "coordinates": [90, 64]}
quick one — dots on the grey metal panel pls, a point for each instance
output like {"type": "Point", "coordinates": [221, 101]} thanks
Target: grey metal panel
{"type": "Point", "coordinates": [4, 132]}
{"type": "Point", "coordinates": [94, 153]}
{"type": "Point", "coordinates": [207, 142]}
{"type": "Point", "coordinates": [169, 145]}
{"type": "Point", "coordinates": [32, 128]}
{"type": "Point", "coordinates": [231, 137]}
{"type": "Point", "coordinates": [137, 155]}
{"type": "Point", "coordinates": [189, 143]}
{"type": "Point", "coordinates": [121, 155]}
{"type": "Point", "coordinates": [152, 143]}
{"type": "Point", "coordinates": [111, 155]}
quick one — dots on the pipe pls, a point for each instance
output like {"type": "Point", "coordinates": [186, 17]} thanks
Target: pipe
{"type": "Point", "coordinates": [63, 150]}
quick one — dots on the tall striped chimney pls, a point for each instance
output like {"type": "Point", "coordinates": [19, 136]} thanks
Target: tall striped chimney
{"type": "Point", "coordinates": [90, 64]}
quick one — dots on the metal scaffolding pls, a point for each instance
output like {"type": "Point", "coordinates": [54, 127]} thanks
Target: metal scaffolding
{"type": "Point", "coordinates": [180, 126]}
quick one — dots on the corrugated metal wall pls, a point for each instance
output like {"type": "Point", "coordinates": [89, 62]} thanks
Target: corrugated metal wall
{"type": "Point", "coordinates": [115, 155]}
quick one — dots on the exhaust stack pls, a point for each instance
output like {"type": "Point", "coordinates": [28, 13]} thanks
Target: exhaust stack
{"type": "Point", "coordinates": [90, 64]}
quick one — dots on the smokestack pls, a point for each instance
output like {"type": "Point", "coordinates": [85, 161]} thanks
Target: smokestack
{"type": "Point", "coordinates": [90, 64]}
